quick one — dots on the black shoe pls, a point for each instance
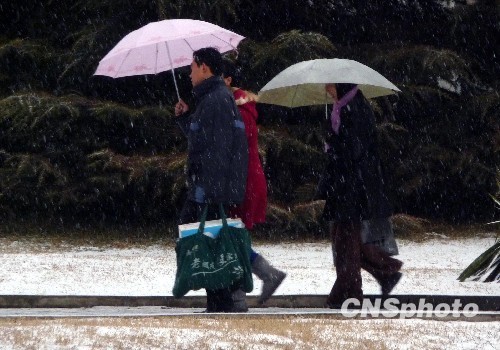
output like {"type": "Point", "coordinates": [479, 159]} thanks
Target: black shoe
{"type": "Point", "coordinates": [390, 282]}
{"type": "Point", "coordinates": [219, 300]}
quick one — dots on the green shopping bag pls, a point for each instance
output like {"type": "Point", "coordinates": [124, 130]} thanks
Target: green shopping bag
{"type": "Point", "coordinates": [213, 263]}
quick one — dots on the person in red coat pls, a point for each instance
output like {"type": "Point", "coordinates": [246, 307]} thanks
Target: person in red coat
{"type": "Point", "coordinates": [253, 208]}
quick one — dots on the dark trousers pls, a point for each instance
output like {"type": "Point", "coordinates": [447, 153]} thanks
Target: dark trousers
{"type": "Point", "coordinates": [351, 256]}
{"type": "Point", "coordinates": [219, 300]}
{"type": "Point", "coordinates": [346, 236]}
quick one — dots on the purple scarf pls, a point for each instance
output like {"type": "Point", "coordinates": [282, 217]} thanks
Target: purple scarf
{"type": "Point", "coordinates": [335, 116]}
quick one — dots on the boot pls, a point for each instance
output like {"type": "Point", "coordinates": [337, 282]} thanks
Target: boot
{"type": "Point", "coordinates": [388, 284]}
{"type": "Point", "coordinates": [239, 302]}
{"type": "Point", "coordinates": [270, 276]}
{"type": "Point", "coordinates": [387, 281]}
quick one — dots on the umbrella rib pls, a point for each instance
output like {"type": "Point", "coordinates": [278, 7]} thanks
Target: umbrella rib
{"type": "Point", "coordinates": [156, 59]}
{"type": "Point", "coordinates": [224, 41]}
{"type": "Point", "coordinates": [294, 94]}
{"type": "Point", "coordinates": [297, 89]}
{"type": "Point", "coordinates": [123, 61]}
{"type": "Point", "coordinates": [188, 44]}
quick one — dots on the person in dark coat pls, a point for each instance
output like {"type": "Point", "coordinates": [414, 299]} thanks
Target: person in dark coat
{"type": "Point", "coordinates": [354, 191]}
{"type": "Point", "coordinates": [217, 151]}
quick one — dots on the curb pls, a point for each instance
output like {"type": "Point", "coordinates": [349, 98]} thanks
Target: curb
{"type": "Point", "coordinates": [484, 303]}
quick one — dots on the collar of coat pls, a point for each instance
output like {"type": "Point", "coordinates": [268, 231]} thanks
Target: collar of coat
{"type": "Point", "coordinates": [207, 85]}
{"type": "Point", "coordinates": [249, 96]}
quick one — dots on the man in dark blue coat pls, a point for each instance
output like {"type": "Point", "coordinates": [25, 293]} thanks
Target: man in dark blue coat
{"type": "Point", "coordinates": [217, 161]}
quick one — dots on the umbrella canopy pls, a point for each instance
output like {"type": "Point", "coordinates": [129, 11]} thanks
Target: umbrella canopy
{"type": "Point", "coordinates": [303, 84]}
{"type": "Point", "coordinates": [164, 45]}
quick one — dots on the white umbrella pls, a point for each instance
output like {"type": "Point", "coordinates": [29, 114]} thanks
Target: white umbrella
{"type": "Point", "coordinates": [303, 84]}
{"type": "Point", "coordinates": [164, 45]}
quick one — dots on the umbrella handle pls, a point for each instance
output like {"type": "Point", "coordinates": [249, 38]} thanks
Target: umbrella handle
{"type": "Point", "coordinates": [175, 83]}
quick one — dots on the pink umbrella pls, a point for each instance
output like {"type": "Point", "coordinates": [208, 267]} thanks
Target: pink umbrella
{"type": "Point", "coordinates": [164, 45]}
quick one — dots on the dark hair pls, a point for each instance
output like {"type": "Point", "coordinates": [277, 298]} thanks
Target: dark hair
{"type": "Point", "coordinates": [229, 69]}
{"type": "Point", "coordinates": [211, 57]}
{"type": "Point", "coordinates": [343, 89]}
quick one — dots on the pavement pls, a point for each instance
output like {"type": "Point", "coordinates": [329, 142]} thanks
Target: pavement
{"type": "Point", "coordinates": [444, 307]}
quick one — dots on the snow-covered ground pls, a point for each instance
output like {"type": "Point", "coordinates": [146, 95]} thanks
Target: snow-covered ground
{"type": "Point", "coordinates": [430, 267]}
{"type": "Point", "coordinates": [287, 333]}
